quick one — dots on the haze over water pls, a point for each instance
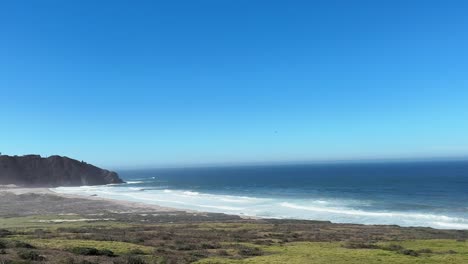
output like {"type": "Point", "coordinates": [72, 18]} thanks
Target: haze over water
{"type": "Point", "coordinates": [432, 194]}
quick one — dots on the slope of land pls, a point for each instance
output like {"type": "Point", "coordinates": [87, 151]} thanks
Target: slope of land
{"type": "Point", "coordinates": [34, 170]}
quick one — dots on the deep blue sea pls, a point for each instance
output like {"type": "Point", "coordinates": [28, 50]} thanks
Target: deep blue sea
{"type": "Point", "coordinates": [433, 194]}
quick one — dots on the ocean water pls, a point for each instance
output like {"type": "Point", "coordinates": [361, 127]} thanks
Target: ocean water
{"type": "Point", "coordinates": [432, 194]}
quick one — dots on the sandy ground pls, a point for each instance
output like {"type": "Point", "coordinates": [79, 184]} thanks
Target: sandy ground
{"type": "Point", "coordinates": [19, 201]}
{"type": "Point", "coordinates": [43, 200]}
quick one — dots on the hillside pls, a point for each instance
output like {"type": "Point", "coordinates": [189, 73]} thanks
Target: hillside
{"type": "Point", "coordinates": [34, 170]}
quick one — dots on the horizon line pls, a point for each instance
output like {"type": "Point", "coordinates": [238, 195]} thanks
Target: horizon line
{"type": "Point", "coordinates": [297, 162]}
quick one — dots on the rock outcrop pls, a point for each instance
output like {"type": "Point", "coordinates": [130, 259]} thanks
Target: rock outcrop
{"type": "Point", "coordinates": [34, 170]}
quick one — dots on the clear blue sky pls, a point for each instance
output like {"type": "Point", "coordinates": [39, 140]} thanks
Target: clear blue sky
{"type": "Point", "coordinates": [162, 83]}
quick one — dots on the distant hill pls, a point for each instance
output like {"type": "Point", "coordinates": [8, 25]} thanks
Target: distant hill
{"type": "Point", "coordinates": [34, 170]}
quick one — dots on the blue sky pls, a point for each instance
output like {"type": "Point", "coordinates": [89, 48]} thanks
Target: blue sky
{"type": "Point", "coordinates": [168, 83]}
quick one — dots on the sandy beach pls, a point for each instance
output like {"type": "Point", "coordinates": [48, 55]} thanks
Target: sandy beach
{"type": "Point", "coordinates": [74, 203]}
{"type": "Point", "coordinates": [20, 201]}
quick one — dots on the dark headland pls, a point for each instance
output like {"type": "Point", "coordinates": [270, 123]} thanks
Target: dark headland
{"type": "Point", "coordinates": [37, 171]}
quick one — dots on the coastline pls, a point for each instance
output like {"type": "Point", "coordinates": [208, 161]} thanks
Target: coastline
{"type": "Point", "coordinates": [122, 206]}
{"type": "Point", "coordinates": [132, 206]}
{"type": "Point", "coordinates": [59, 227]}
{"type": "Point", "coordinates": [43, 201]}
{"type": "Point", "coordinates": [257, 207]}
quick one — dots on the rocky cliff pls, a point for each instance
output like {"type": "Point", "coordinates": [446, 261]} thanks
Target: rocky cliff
{"type": "Point", "coordinates": [34, 170]}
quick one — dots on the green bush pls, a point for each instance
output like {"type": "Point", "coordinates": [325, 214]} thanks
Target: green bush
{"type": "Point", "coordinates": [249, 251]}
{"type": "Point", "coordinates": [4, 232]}
{"type": "Point", "coordinates": [89, 251]}
{"type": "Point", "coordinates": [21, 244]}
{"type": "Point", "coordinates": [409, 252]}
{"type": "Point", "coordinates": [106, 252]}
{"type": "Point", "coordinates": [30, 255]}
{"type": "Point", "coordinates": [359, 245]}
{"type": "Point", "coordinates": [210, 245]}
{"type": "Point", "coordinates": [86, 251]}
{"type": "Point", "coordinates": [136, 251]}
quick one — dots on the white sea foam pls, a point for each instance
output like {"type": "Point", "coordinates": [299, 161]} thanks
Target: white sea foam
{"type": "Point", "coordinates": [136, 189]}
{"type": "Point", "coordinates": [451, 225]}
{"type": "Point", "coordinates": [191, 193]}
{"type": "Point", "coordinates": [335, 210]}
{"type": "Point", "coordinates": [134, 182]}
{"type": "Point", "coordinates": [373, 214]}
{"type": "Point", "coordinates": [229, 208]}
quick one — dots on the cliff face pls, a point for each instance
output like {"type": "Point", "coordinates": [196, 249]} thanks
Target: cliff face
{"type": "Point", "coordinates": [33, 170]}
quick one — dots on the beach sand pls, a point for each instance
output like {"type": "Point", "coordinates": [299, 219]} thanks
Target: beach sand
{"type": "Point", "coordinates": [20, 201]}
{"type": "Point", "coordinates": [51, 202]}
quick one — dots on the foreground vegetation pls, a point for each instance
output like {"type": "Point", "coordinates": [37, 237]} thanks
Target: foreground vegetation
{"type": "Point", "coordinates": [133, 239]}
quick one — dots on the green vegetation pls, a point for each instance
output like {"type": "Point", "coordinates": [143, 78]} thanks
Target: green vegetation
{"type": "Point", "coordinates": [27, 223]}
{"type": "Point", "coordinates": [89, 251]}
{"type": "Point", "coordinates": [322, 252]}
{"type": "Point", "coordinates": [140, 239]}
{"type": "Point", "coordinates": [74, 245]}
{"type": "Point", "coordinates": [30, 255]}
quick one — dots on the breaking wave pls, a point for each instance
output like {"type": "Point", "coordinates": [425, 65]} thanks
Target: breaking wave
{"type": "Point", "coordinates": [334, 210]}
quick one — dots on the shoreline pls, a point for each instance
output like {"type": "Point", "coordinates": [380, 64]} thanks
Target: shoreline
{"type": "Point", "coordinates": [286, 209]}
{"type": "Point", "coordinates": [46, 191]}
{"type": "Point", "coordinates": [123, 206]}
{"type": "Point", "coordinates": [43, 201]}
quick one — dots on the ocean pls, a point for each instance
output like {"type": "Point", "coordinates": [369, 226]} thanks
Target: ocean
{"type": "Point", "coordinates": [429, 194]}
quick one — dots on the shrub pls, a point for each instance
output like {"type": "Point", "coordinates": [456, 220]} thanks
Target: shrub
{"type": "Point", "coordinates": [86, 251]}
{"type": "Point", "coordinates": [2, 251]}
{"type": "Point", "coordinates": [358, 245]}
{"type": "Point", "coordinates": [30, 255]}
{"type": "Point", "coordinates": [89, 251]}
{"type": "Point", "coordinates": [21, 244]}
{"type": "Point", "coordinates": [249, 251]}
{"type": "Point", "coordinates": [106, 252]}
{"type": "Point", "coordinates": [409, 252]}
{"type": "Point", "coordinates": [4, 232]}
{"type": "Point", "coordinates": [160, 250]}
{"type": "Point", "coordinates": [210, 245]}
{"type": "Point", "coordinates": [186, 247]}
{"type": "Point", "coordinates": [136, 251]}
{"type": "Point", "coordinates": [200, 254]}
{"type": "Point", "coordinates": [3, 244]}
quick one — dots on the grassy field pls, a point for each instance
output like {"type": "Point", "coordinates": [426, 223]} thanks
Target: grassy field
{"type": "Point", "coordinates": [131, 239]}
{"type": "Point", "coordinates": [438, 251]}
